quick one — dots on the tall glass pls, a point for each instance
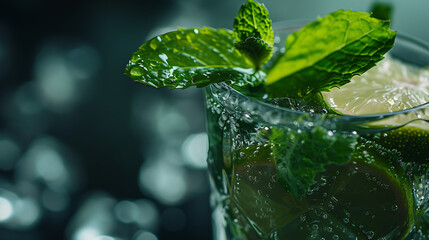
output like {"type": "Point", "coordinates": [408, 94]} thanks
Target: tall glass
{"type": "Point", "coordinates": [381, 193]}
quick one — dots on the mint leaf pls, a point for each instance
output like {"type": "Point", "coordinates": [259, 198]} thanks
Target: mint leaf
{"type": "Point", "coordinates": [327, 53]}
{"type": "Point", "coordinates": [258, 50]}
{"type": "Point", "coordinates": [254, 32]}
{"type": "Point", "coordinates": [192, 57]}
{"type": "Point", "coordinates": [253, 20]}
{"type": "Point", "coordinates": [301, 155]}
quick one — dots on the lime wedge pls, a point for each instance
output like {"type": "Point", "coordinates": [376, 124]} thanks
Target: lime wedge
{"type": "Point", "coordinates": [390, 86]}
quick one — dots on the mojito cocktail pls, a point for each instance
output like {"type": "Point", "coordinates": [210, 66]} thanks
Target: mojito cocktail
{"type": "Point", "coordinates": [379, 191]}
{"type": "Point", "coordinates": [315, 133]}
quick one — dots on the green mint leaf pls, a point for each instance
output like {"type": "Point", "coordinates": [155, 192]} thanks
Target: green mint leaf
{"type": "Point", "coordinates": [382, 11]}
{"type": "Point", "coordinates": [254, 32]}
{"type": "Point", "coordinates": [192, 57]}
{"type": "Point", "coordinates": [328, 52]}
{"type": "Point", "coordinates": [253, 20]}
{"type": "Point", "coordinates": [300, 155]}
{"type": "Point", "coordinates": [258, 50]}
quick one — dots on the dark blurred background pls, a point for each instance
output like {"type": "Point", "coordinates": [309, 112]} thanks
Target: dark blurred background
{"type": "Point", "coordinates": [86, 153]}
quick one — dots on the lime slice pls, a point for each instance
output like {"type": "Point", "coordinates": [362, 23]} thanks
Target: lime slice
{"type": "Point", "coordinates": [390, 86]}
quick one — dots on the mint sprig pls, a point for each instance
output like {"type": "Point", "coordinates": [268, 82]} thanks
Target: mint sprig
{"type": "Point", "coordinates": [192, 57]}
{"type": "Point", "coordinates": [328, 53]}
{"type": "Point", "coordinates": [254, 32]}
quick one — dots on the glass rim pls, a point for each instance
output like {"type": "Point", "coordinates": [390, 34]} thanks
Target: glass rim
{"type": "Point", "coordinates": [297, 23]}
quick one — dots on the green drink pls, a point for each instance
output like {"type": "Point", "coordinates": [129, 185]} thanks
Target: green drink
{"type": "Point", "coordinates": [380, 193]}
{"type": "Point", "coordinates": [292, 156]}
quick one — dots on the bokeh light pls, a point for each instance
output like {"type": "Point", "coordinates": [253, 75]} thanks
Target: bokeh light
{"type": "Point", "coordinates": [86, 233]}
{"type": "Point", "coordinates": [145, 235]}
{"type": "Point", "coordinates": [106, 238]}
{"type": "Point", "coordinates": [103, 217]}
{"type": "Point", "coordinates": [162, 179]}
{"type": "Point", "coordinates": [27, 212]}
{"type": "Point", "coordinates": [6, 209]}
{"type": "Point", "coordinates": [50, 163]}
{"type": "Point", "coordinates": [64, 72]}
{"type": "Point", "coordinates": [9, 153]}
{"type": "Point", "coordinates": [148, 215]}
{"type": "Point", "coordinates": [126, 211]}
{"type": "Point", "coordinates": [194, 150]}
{"type": "Point", "coordinates": [18, 208]}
